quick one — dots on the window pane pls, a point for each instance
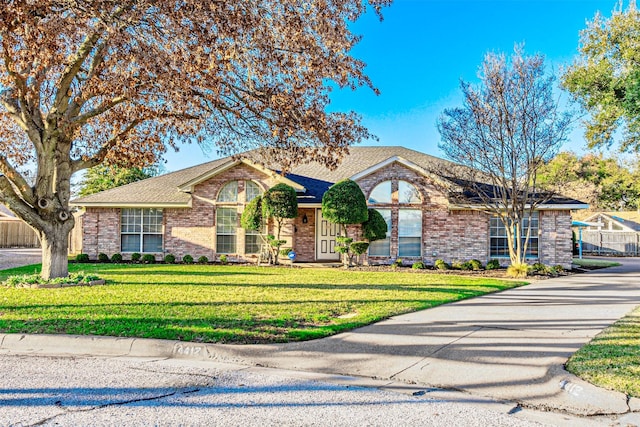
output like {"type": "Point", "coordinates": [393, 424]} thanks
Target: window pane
{"type": "Point", "coordinates": [226, 220]}
{"type": "Point", "coordinates": [252, 243]}
{"type": "Point", "coordinates": [409, 246]}
{"type": "Point", "coordinates": [252, 190]}
{"type": "Point", "coordinates": [498, 243]}
{"type": "Point", "coordinates": [229, 193]}
{"type": "Point", "coordinates": [226, 244]}
{"type": "Point", "coordinates": [381, 193]}
{"type": "Point", "coordinates": [409, 223]}
{"type": "Point", "coordinates": [407, 193]}
{"type": "Point", "coordinates": [130, 243]}
{"type": "Point", "coordinates": [152, 243]}
{"type": "Point", "coordinates": [152, 221]}
{"type": "Point", "coordinates": [131, 221]}
{"type": "Point", "coordinates": [380, 247]}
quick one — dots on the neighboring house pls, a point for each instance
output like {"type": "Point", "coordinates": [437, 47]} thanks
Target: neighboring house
{"type": "Point", "coordinates": [196, 211]}
{"type": "Point", "coordinates": [612, 233]}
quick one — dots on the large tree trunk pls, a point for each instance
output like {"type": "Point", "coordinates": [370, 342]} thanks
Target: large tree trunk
{"type": "Point", "coordinates": [55, 250]}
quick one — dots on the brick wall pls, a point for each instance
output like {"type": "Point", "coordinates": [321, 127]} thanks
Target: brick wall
{"type": "Point", "coordinates": [446, 234]}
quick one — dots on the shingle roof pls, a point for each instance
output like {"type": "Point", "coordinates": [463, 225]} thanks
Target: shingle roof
{"type": "Point", "coordinates": [161, 190]}
{"type": "Point", "coordinates": [629, 219]}
{"type": "Point", "coordinates": [314, 177]}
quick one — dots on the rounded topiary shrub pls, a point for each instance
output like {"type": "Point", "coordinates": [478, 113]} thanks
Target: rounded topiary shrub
{"type": "Point", "coordinates": [136, 256]}
{"type": "Point", "coordinates": [149, 258]}
{"type": "Point", "coordinates": [493, 264]}
{"type": "Point", "coordinates": [169, 259]}
{"type": "Point", "coordinates": [116, 258]}
{"type": "Point", "coordinates": [359, 247]}
{"type": "Point", "coordinates": [203, 260]}
{"type": "Point", "coordinates": [344, 203]}
{"type": "Point", "coordinates": [187, 259]}
{"type": "Point", "coordinates": [418, 265]}
{"type": "Point", "coordinates": [102, 257]}
{"type": "Point", "coordinates": [82, 258]}
{"type": "Point", "coordinates": [224, 260]}
{"type": "Point", "coordinates": [465, 266]}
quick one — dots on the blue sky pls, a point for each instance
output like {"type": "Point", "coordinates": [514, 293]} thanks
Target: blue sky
{"type": "Point", "coordinates": [417, 55]}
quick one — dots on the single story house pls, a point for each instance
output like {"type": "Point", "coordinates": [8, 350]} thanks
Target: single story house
{"type": "Point", "coordinates": [196, 211]}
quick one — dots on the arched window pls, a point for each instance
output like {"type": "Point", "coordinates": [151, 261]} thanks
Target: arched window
{"type": "Point", "coordinates": [252, 190]}
{"type": "Point", "coordinates": [381, 193]}
{"type": "Point", "coordinates": [408, 193]}
{"type": "Point", "coordinates": [229, 192]}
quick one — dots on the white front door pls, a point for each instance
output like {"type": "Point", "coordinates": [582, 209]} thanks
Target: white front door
{"type": "Point", "coordinates": [326, 233]}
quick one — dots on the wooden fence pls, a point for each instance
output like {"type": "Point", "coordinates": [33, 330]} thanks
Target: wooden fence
{"type": "Point", "coordinates": [611, 243]}
{"type": "Point", "coordinates": [17, 234]}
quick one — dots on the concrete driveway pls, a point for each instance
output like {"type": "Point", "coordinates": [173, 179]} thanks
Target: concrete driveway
{"type": "Point", "coordinates": [17, 257]}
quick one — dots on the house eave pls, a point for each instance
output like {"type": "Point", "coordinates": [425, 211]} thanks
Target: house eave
{"type": "Point", "coordinates": [545, 207]}
{"type": "Point", "coordinates": [132, 205]}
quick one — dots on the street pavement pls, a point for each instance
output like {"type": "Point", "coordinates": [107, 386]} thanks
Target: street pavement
{"type": "Point", "coordinates": [505, 347]}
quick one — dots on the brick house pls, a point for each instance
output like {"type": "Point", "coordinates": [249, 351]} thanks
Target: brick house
{"type": "Point", "coordinates": [196, 211]}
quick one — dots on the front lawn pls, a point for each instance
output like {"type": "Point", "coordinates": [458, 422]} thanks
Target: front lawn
{"type": "Point", "coordinates": [612, 358]}
{"type": "Point", "coordinates": [238, 304]}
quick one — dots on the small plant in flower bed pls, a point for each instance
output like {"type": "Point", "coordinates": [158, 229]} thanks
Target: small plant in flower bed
{"type": "Point", "coordinates": [36, 279]}
{"type": "Point", "coordinates": [169, 259]}
{"type": "Point", "coordinates": [102, 257]}
{"type": "Point", "coordinates": [418, 265]}
{"type": "Point", "coordinates": [493, 264]}
{"type": "Point", "coordinates": [440, 264]}
{"type": "Point", "coordinates": [203, 260]}
{"type": "Point", "coordinates": [135, 257]}
{"type": "Point", "coordinates": [187, 259]}
{"type": "Point", "coordinates": [475, 264]}
{"type": "Point", "coordinates": [116, 258]}
{"type": "Point", "coordinates": [224, 260]}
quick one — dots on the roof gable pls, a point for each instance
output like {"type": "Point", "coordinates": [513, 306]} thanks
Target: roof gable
{"type": "Point", "coordinates": [628, 221]}
{"type": "Point", "coordinates": [188, 186]}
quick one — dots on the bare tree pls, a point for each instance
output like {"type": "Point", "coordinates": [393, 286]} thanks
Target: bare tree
{"type": "Point", "coordinates": [508, 126]}
{"type": "Point", "coordinates": [85, 82]}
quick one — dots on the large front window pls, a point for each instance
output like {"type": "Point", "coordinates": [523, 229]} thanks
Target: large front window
{"type": "Point", "coordinates": [409, 232]}
{"type": "Point", "coordinates": [226, 227]}
{"type": "Point", "coordinates": [382, 247]}
{"type": "Point", "coordinates": [141, 230]}
{"type": "Point", "coordinates": [398, 199]}
{"type": "Point", "coordinates": [499, 242]}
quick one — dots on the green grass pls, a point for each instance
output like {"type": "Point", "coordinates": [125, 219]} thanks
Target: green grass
{"type": "Point", "coordinates": [239, 304]}
{"type": "Point", "coordinates": [612, 359]}
{"type": "Point", "coordinates": [599, 263]}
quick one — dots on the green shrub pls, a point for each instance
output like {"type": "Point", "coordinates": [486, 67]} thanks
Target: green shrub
{"type": "Point", "coordinates": [187, 259]}
{"type": "Point", "coordinates": [203, 260]}
{"type": "Point", "coordinates": [518, 270]}
{"type": "Point", "coordinates": [465, 266]}
{"type": "Point", "coordinates": [102, 257]}
{"type": "Point", "coordinates": [116, 258]}
{"type": "Point", "coordinates": [375, 228]}
{"type": "Point", "coordinates": [359, 247]}
{"type": "Point", "coordinates": [418, 265]}
{"type": "Point", "coordinates": [35, 279]}
{"type": "Point", "coordinates": [285, 251]}
{"type": "Point", "coordinates": [149, 258]}
{"type": "Point", "coordinates": [476, 264]}
{"type": "Point", "coordinates": [441, 265]}
{"type": "Point", "coordinates": [493, 264]}
{"type": "Point", "coordinates": [224, 259]}
{"type": "Point", "coordinates": [539, 267]}
{"type": "Point", "coordinates": [558, 268]}
{"type": "Point", "coordinates": [399, 262]}
{"type": "Point", "coordinates": [82, 258]}
{"type": "Point", "coordinates": [169, 259]}
{"type": "Point", "coordinates": [136, 256]}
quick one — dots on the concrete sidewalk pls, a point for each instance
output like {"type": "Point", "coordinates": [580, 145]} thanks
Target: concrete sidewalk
{"type": "Point", "coordinates": [508, 346]}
